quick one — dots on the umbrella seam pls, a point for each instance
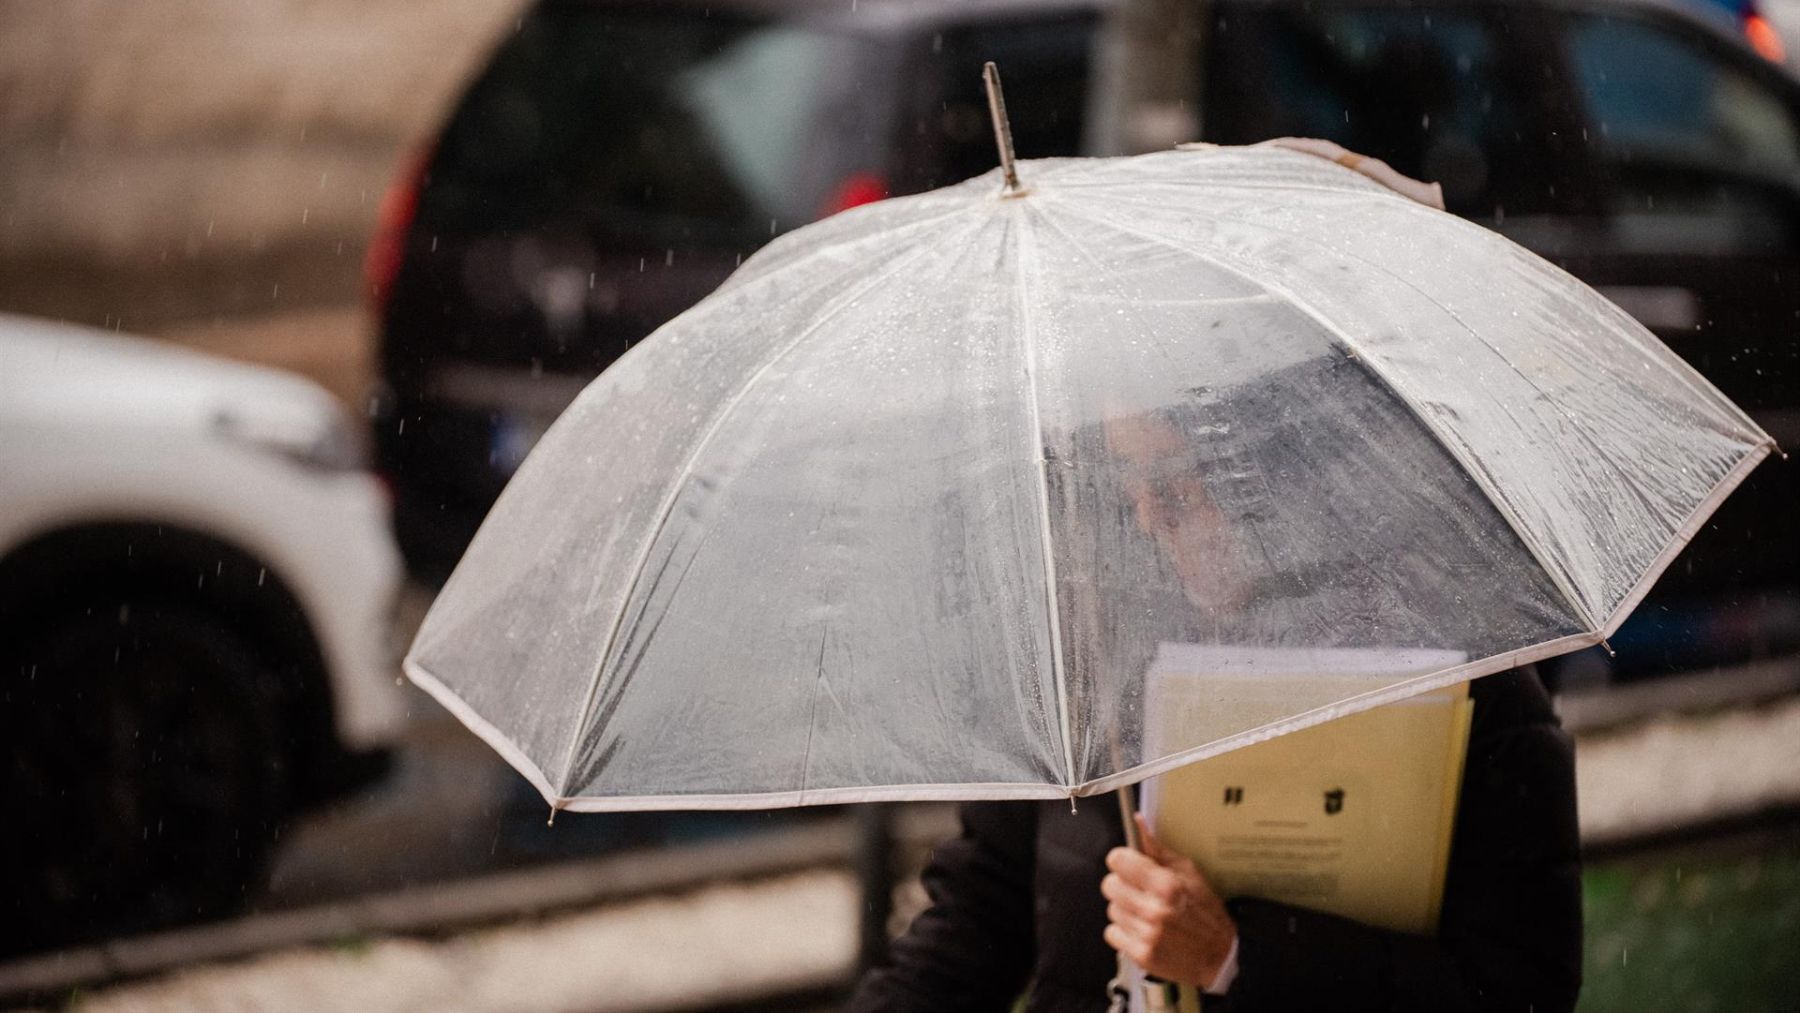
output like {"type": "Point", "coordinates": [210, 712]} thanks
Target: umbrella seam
{"type": "Point", "coordinates": [679, 481]}
{"type": "Point", "coordinates": [812, 716]}
{"type": "Point", "coordinates": [756, 273]}
{"type": "Point", "coordinates": [1074, 244]}
{"type": "Point", "coordinates": [1685, 533]}
{"type": "Point", "coordinates": [1625, 477]}
{"type": "Point", "coordinates": [1475, 474]}
{"type": "Point", "coordinates": [1028, 338]}
{"type": "Point", "coordinates": [1671, 365]}
{"type": "Point", "coordinates": [1581, 432]}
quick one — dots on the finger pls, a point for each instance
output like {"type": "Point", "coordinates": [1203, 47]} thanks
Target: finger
{"type": "Point", "coordinates": [1126, 943]}
{"type": "Point", "coordinates": [1138, 869]}
{"type": "Point", "coordinates": [1144, 905]}
{"type": "Point", "coordinates": [1130, 921]}
{"type": "Point", "coordinates": [1163, 854]}
{"type": "Point", "coordinates": [1152, 846]}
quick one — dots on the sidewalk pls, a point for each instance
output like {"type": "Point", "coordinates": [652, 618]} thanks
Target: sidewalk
{"type": "Point", "coordinates": [797, 932]}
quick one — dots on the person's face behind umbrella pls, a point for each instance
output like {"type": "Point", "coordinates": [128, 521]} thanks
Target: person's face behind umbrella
{"type": "Point", "coordinates": [1161, 476]}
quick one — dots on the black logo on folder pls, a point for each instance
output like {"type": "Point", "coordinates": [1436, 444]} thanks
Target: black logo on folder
{"type": "Point", "coordinates": [1334, 801]}
{"type": "Point", "coordinates": [1234, 796]}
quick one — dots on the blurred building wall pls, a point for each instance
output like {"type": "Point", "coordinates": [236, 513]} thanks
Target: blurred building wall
{"type": "Point", "coordinates": [187, 159]}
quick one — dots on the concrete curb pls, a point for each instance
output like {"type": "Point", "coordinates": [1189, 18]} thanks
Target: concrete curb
{"type": "Point", "coordinates": [440, 908]}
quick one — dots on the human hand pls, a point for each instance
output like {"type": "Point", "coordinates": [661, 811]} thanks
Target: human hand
{"type": "Point", "coordinates": [1163, 914]}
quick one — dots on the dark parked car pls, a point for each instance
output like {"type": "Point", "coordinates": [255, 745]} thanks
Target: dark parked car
{"type": "Point", "coordinates": [615, 161]}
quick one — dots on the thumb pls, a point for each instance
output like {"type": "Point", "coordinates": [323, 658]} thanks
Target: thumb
{"type": "Point", "coordinates": [1156, 850]}
{"type": "Point", "coordinates": [1152, 847]}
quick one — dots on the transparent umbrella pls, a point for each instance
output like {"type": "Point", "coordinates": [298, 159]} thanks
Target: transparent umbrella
{"type": "Point", "coordinates": [912, 505]}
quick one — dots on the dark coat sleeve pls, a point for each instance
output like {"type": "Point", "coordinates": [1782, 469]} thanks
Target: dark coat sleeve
{"type": "Point", "coordinates": [972, 948]}
{"type": "Point", "coordinates": [1510, 933]}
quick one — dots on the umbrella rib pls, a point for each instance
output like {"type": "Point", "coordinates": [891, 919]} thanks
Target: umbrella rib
{"type": "Point", "coordinates": [1680, 371]}
{"type": "Point", "coordinates": [753, 272]}
{"type": "Point", "coordinates": [1028, 339]}
{"type": "Point", "coordinates": [1475, 474]}
{"type": "Point", "coordinates": [1625, 477]}
{"type": "Point", "coordinates": [838, 305]}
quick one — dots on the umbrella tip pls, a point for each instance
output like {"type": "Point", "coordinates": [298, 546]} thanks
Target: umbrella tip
{"type": "Point", "coordinates": [555, 807]}
{"type": "Point", "coordinates": [990, 75]}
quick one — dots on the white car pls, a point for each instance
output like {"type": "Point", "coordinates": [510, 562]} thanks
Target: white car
{"type": "Point", "coordinates": [196, 589]}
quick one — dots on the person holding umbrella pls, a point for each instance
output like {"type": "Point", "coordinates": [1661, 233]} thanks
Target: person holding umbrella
{"type": "Point", "coordinates": [901, 511]}
{"type": "Point", "coordinates": [1032, 898]}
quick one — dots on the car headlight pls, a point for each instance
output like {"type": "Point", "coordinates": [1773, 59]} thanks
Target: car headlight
{"type": "Point", "coordinates": [321, 440]}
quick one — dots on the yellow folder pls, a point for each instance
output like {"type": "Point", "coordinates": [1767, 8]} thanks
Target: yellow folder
{"type": "Point", "coordinates": [1352, 817]}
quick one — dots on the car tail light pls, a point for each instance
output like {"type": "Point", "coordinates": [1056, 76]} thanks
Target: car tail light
{"type": "Point", "coordinates": [857, 189]}
{"type": "Point", "coordinates": [1764, 38]}
{"type": "Point", "coordinates": [393, 220]}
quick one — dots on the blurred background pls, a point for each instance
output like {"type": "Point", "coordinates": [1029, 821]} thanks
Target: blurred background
{"type": "Point", "coordinates": [288, 288]}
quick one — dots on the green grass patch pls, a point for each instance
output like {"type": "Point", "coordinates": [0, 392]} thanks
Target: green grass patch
{"type": "Point", "coordinates": [1695, 932]}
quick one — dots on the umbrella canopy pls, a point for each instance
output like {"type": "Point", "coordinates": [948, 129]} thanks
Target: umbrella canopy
{"type": "Point", "coordinates": [918, 503]}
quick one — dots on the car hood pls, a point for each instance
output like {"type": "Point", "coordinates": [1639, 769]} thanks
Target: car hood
{"type": "Point", "coordinates": [64, 375]}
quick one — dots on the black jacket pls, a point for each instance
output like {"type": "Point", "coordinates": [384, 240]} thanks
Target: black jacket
{"type": "Point", "coordinates": [1016, 903]}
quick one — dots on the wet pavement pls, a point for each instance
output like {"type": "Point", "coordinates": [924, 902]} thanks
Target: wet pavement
{"type": "Point", "coordinates": [703, 950]}
{"type": "Point", "coordinates": [1703, 920]}
{"type": "Point", "coordinates": [451, 809]}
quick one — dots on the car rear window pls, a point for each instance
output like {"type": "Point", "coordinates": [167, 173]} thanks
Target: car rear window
{"type": "Point", "coordinates": [651, 124]}
{"type": "Point", "coordinates": [1700, 152]}
{"type": "Point", "coordinates": [1439, 94]}
{"type": "Point", "coordinates": [1652, 93]}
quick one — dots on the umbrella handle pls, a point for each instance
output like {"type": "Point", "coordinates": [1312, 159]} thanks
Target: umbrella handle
{"type": "Point", "coordinates": [1127, 817]}
{"type": "Point", "coordinates": [1159, 995]}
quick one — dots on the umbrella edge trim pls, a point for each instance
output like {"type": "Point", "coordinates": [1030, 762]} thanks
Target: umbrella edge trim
{"type": "Point", "coordinates": [502, 744]}
{"type": "Point", "coordinates": [971, 792]}
{"type": "Point", "coordinates": [1344, 708]}
{"type": "Point", "coordinates": [496, 739]}
{"type": "Point", "coordinates": [1680, 537]}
